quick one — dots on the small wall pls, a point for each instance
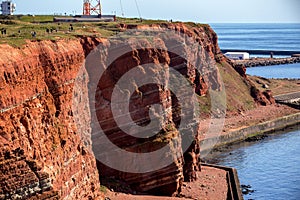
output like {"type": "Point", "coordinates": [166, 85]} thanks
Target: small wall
{"type": "Point", "coordinates": [244, 133]}
{"type": "Point", "coordinates": [234, 188]}
{"type": "Point", "coordinates": [269, 61]}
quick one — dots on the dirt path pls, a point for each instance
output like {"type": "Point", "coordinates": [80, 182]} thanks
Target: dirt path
{"type": "Point", "coordinates": [211, 185]}
{"type": "Point", "coordinates": [244, 119]}
{"type": "Point", "coordinates": [286, 97]}
{"type": "Point", "coordinates": [258, 115]}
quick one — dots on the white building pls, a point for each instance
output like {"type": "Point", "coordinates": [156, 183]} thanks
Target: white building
{"type": "Point", "coordinates": [7, 7]}
{"type": "Point", "coordinates": [238, 55]}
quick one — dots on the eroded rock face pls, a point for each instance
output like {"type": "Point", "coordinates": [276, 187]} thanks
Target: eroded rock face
{"type": "Point", "coordinates": [165, 181]}
{"type": "Point", "coordinates": [262, 98]}
{"type": "Point", "coordinates": [269, 95]}
{"type": "Point", "coordinates": [36, 116]}
{"type": "Point", "coordinates": [168, 180]}
{"type": "Point", "coordinates": [21, 178]}
{"type": "Point", "coordinates": [241, 69]}
{"type": "Point", "coordinates": [36, 92]}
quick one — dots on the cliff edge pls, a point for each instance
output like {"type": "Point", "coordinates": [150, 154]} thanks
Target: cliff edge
{"type": "Point", "coordinates": [41, 143]}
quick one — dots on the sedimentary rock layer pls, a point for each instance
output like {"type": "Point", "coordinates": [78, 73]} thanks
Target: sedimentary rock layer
{"type": "Point", "coordinates": [42, 143]}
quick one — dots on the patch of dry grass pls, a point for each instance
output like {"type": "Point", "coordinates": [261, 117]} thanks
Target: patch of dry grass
{"type": "Point", "coordinates": [277, 86]}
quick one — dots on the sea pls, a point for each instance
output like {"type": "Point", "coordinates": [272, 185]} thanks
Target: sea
{"type": "Point", "coordinates": [270, 168]}
{"type": "Point", "coordinates": [259, 36]}
{"type": "Point", "coordinates": [262, 36]}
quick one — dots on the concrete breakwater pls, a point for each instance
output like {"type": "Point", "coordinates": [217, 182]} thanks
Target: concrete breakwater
{"type": "Point", "coordinates": [292, 99]}
{"type": "Point", "coordinates": [234, 186]}
{"type": "Point", "coordinates": [253, 62]}
{"type": "Point", "coordinates": [247, 132]}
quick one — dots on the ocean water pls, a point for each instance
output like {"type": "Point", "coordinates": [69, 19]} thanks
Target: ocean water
{"type": "Point", "coordinates": [261, 36]}
{"type": "Point", "coordinates": [276, 37]}
{"type": "Point", "coordinates": [270, 166]}
{"type": "Point", "coordinates": [291, 71]}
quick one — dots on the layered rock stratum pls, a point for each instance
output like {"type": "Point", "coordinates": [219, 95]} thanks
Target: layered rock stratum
{"type": "Point", "coordinates": [42, 155]}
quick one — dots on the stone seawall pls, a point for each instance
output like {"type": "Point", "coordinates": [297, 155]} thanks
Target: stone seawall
{"type": "Point", "coordinates": [254, 62]}
{"type": "Point", "coordinates": [292, 99]}
{"type": "Point", "coordinates": [247, 132]}
{"type": "Point", "coordinates": [234, 188]}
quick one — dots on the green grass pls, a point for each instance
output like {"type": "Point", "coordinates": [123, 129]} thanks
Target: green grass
{"type": "Point", "coordinates": [38, 18]}
{"type": "Point", "coordinates": [196, 25]}
{"type": "Point", "coordinates": [205, 105]}
{"type": "Point", "coordinates": [29, 18]}
{"type": "Point", "coordinates": [18, 33]}
{"type": "Point", "coordinates": [20, 27]}
{"type": "Point", "coordinates": [103, 189]}
{"type": "Point", "coordinates": [239, 97]}
{"type": "Point", "coordinates": [137, 21]}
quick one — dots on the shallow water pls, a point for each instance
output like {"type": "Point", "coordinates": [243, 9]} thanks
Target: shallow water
{"type": "Point", "coordinates": [270, 166]}
{"type": "Point", "coordinates": [291, 71]}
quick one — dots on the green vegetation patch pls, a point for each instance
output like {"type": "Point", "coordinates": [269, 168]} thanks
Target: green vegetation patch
{"type": "Point", "coordinates": [239, 98]}
{"type": "Point", "coordinates": [20, 28]}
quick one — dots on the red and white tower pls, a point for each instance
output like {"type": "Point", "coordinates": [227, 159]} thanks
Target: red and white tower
{"type": "Point", "coordinates": [91, 7]}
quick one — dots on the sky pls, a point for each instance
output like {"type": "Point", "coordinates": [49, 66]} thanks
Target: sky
{"type": "Point", "coordinates": [202, 11]}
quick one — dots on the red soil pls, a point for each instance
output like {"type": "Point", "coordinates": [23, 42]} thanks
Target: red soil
{"type": "Point", "coordinates": [211, 184]}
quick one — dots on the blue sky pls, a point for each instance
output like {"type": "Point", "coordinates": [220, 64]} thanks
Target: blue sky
{"type": "Point", "coordinates": [204, 11]}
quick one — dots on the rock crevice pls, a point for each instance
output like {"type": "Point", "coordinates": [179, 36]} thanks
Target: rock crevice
{"type": "Point", "coordinates": [42, 154]}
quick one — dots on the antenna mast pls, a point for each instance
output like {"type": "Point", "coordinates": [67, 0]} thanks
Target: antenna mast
{"type": "Point", "coordinates": [91, 7]}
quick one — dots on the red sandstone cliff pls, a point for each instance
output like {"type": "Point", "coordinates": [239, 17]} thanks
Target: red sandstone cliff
{"type": "Point", "coordinates": [36, 86]}
{"type": "Point", "coordinates": [39, 138]}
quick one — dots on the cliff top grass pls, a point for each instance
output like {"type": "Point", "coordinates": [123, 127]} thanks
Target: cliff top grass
{"type": "Point", "coordinates": [19, 28]}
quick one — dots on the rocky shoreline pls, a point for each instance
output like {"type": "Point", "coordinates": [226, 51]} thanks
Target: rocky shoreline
{"type": "Point", "coordinates": [254, 62]}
